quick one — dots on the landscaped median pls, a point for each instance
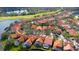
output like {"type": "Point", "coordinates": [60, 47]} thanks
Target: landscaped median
{"type": "Point", "coordinates": [28, 16]}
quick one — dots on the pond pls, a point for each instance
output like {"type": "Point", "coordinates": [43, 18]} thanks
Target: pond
{"type": "Point", "coordinates": [4, 24]}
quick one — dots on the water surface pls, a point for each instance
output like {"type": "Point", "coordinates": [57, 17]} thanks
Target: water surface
{"type": "Point", "coordinates": [4, 24]}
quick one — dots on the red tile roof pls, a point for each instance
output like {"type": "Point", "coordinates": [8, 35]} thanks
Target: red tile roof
{"type": "Point", "coordinates": [48, 40]}
{"type": "Point", "coordinates": [68, 47]}
{"type": "Point", "coordinates": [72, 32]}
{"type": "Point", "coordinates": [39, 28]}
{"type": "Point", "coordinates": [61, 22]}
{"type": "Point", "coordinates": [57, 44]}
{"type": "Point", "coordinates": [66, 26]}
{"type": "Point", "coordinates": [16, 27]}
{"type": "Point", "coordinates": [51, 27]}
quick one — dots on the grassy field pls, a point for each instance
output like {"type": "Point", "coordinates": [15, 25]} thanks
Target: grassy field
{"type": "Point", "coordinates": [28, 16]}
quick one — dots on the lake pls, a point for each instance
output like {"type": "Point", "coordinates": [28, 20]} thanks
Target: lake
{"type": "Point", "coordinates": [4, 24]}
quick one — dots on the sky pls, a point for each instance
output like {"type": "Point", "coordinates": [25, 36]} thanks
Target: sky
{"type": "Point", "coordinates": [39, 3]}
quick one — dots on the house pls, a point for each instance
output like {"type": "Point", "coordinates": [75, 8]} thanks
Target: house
{"type": "Point", "coordinates": [66, 26]}
{"type": "Point", "coordinates": [34, 26]}
{"type": "Point", "coordinates": [48, 42]}
{"type": "Point", "coordinates": [39, 28]}
{"type": "Point", "coordinates": [59, 30]}
{"type": "Point", "coordinates": [29, 41]}
{"type": "Point", "coordinates": [51, 27]}
{"type": "Point", "coordinates": [72, 32]}
{"type": "Point", "coordinates": [39, 42]}
{"type": "Point", "coordinates": [21, 39]}
{"type": "Point", "coordinates": [61, 22]}
{"type": "Point", "coordinates": [68, 46]}
{"type": "Point", "coordinates": [58, 44]}
{"type": "Point", "coordinates": [16, 27]}
{"type": "Point", "coordinates": [27, 44]}
{"type": "Point", "coordinates": [77, 23]}
{"type": "Point", "coordinates": [44, 28]}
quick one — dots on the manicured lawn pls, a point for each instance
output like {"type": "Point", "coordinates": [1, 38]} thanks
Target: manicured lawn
{"type": "Point", "coordinates": [28, 16]}
{"type": "Point", "coordinates": [15, 48]}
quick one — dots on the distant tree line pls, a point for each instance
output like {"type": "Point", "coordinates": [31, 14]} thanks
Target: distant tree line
{"type": "Point", "coordinates": [27, 11]}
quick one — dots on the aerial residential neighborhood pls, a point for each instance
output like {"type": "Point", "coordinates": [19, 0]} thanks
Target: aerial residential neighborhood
{"type": "Point", "coordinates": [49, 30]}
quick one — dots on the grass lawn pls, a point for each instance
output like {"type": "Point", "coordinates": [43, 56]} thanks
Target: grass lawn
{"type": "Point", "coordinates": [28, 16]}
{"type": "Point", "coordinates": [15, 48]}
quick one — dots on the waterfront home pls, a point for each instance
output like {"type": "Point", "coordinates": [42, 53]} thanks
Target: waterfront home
{"type": "Point", "coordinates": [16, 27]}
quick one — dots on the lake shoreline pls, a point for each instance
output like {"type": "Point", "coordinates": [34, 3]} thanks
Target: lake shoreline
{"type": "Point", "coordinates": [4, 24]}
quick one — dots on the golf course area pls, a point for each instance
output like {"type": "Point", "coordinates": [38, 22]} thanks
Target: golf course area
{"type": "Point", "coordinates": [28, 16]}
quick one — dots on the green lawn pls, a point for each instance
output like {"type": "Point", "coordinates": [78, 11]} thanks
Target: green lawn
{"type": "Point", "coordinates": [28, 16]}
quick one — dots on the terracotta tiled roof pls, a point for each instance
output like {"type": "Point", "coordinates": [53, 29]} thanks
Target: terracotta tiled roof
{"type": "Point", "coordinates": [68, 47]}
{"type": "Point", "coordinates": [72, 32]}
{"type": "Point", "coordinates": [16, 27]}
{"type": "Point", "coordinates": [48, 40]}
{"type": "Point", "coordinates": [39, 28]}
{"type": "Point", "coordinates": [57, 44]}
{"type": "Point", "coordinates": [61, 22]}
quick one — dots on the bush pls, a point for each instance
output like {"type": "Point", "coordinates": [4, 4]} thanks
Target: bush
{"type": "Point", "coordinates": [4, 36]}
{"type": "Point", "coordinates": [8, 46]}
{"type": "Point", "coordinates": [24, 13]}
